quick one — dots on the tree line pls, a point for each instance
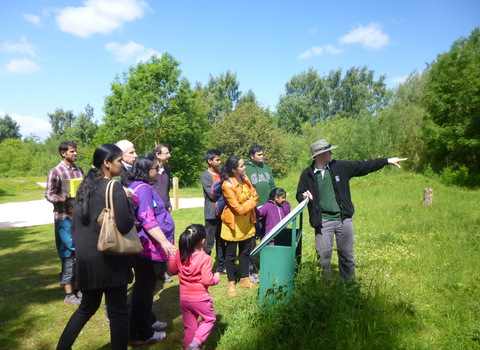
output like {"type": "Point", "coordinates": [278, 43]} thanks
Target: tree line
{"type": "Point", "coordinates": [433, 118]}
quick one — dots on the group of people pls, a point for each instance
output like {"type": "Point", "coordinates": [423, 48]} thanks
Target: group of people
{"type": "Point", "coordinates": [253, 206]}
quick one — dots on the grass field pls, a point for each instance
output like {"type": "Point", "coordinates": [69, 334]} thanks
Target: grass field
{"type": "Point", "coordinates": [418, 283]}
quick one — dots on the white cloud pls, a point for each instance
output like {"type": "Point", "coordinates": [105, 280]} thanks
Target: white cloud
{"type": "Point", "coordinates": [22, 46]}
{"type": "Point", "coordinates": [99, 16]}
{"type": "Point", "coordinates": [319, 50]}
{"type": "Point", "coordinates": [131, 52]}
{"type": "Point", "coordinates": [399, 80]}
{"type": "Point", "coordinates": [19, 66]}
{"type": "Point", "coordinates": [370, 37]}
{"type": "Point", "coordinates": [30, 125]}
{"type": "Point", "coordinates": [31, 18]}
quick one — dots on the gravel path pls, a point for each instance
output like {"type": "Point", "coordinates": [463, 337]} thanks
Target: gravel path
{"type": "Point", "coordinates": [33, 213]}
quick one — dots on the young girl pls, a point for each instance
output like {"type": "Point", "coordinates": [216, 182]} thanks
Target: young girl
{"type": "Point", "coordinates": [276, 208]}
{"type": "Point", "coordinates": [194, 269]}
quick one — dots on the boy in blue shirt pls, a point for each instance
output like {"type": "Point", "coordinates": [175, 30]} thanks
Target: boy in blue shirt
{"type": "Point", "coordinates": [66, 252]}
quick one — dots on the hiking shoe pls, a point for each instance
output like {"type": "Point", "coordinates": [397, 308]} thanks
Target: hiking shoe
{"type": "Point", "coordinates": [79, 294]}
{"type": "Point", "coordinates": [158, 326]}
{"type": "Point", "coordinates": [156, 338]}
{"type": "Point", "coordinates": [167, 278]}
{"type": "Point", "coordinates": [72, 300]}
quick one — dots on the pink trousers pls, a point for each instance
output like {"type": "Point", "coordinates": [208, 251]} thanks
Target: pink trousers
{"type": "Point", "coordinates": [194, 330]}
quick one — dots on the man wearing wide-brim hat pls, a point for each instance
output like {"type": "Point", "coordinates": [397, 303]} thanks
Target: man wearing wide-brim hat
{"type": "Point", "coordinates": [327, 183]}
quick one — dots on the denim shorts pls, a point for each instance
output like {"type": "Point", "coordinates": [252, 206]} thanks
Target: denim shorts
{"type": "Point", "coordinates": [67, 276]}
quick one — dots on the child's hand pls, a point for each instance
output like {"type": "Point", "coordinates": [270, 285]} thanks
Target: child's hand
{"type": "Point", "coordinates": [217, 274]}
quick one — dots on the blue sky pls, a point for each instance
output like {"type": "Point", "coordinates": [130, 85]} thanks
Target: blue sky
{"type": "Point", "coordinates": [64, 54]}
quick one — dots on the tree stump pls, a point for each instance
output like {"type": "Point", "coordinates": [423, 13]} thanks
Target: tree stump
{"type": "Point", "coordinates": [427, 196]}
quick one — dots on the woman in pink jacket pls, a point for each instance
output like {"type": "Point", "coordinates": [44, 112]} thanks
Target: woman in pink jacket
{"type": "Point", "coordinates": [194, 269]}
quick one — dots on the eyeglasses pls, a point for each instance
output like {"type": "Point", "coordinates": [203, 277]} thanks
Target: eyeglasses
{"type": "Point", "coordinates": [155, 167]}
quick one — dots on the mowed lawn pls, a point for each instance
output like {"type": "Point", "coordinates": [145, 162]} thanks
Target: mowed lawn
{"type": "Point", "coordinates": [417, 270]}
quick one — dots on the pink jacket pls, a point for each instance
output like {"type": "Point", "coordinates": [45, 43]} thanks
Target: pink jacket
{"type": "Point", "coordinates": [195, 275]}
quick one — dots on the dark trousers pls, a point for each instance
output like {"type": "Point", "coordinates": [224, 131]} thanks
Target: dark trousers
{"type": "Point", "coordinates": [116, 300]}
{"type": "Point", "coordinates": [243, 260]}
{"type": "Point", "coordinates": [213, 228]}
{"type": "Point", "coordinates": [142, 318]}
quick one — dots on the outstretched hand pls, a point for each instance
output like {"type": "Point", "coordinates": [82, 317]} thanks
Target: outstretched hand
{"type": "Point", "coordinates": [395, 161]}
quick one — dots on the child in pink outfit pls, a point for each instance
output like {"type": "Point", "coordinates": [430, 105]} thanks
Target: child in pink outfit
{"type": "Point", "coordinates": [194, 269]}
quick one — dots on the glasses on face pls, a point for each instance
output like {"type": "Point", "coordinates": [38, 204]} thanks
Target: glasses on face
{"type": "Point", "coordinates": [155, 167]}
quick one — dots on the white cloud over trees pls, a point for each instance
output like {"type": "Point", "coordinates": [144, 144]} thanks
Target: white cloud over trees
{"type": "Point", "coordinates": [99, 16]}
{"type": "Point", "coordinates": [319, 50]}
{"type": "Point", "coordinates": [370, 37]}
{"type": "Point", "coordinates": [131, 52]}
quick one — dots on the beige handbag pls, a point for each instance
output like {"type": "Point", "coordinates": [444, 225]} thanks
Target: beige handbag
{"type": "Point", "coordinates": [110, 240]}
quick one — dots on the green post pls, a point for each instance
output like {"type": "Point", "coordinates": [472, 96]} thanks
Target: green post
{"type": "Point", "coordinates": [277, 261]}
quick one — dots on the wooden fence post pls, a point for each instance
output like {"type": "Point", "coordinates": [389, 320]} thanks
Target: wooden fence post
{"type": "Point", "coordinates": [175, 193]}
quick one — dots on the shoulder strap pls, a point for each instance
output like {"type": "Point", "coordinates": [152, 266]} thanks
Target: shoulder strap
{"type": "Point", "coordinates": [136, 188]}
{"type": "Point", "coordinates": [109, 195]}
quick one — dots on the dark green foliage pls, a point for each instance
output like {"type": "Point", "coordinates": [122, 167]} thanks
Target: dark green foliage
{"type": "Point", "coordinates": [249, 124]}
{"type": "Point", "coordinates": [83, 129]}
{"type": "Point", "coordinates": [9, 128]}
{"type": "Point", "coordinates": [312, 98]}
{"type": "Point", "coordinates": [452, 130]}
{"type": "Point", "coordinates": [221, 94]}
{"type": "Point", "coordinates": [152, 104]}
{"type": "Point", "coordinates": [60, 121]}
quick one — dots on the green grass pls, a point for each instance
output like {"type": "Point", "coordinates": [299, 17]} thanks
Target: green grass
{"type": "Point", "coordinates": [21, 189]}
{"type": "Point", "coordinates": [417, 270]}
{"type": "Point", "coordinates": [26, 189]}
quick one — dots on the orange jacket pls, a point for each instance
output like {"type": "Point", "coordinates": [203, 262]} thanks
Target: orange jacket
{"type": "Point", "coordinates": [231, 193]}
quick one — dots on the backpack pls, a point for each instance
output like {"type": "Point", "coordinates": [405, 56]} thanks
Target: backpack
{"type": "Point", "coordinates": [217, 194]}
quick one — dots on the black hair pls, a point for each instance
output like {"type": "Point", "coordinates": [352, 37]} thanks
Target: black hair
{"type": "Point", "coordinates": [212, 154]}
{"type": "Point", "coordinates": [276, 192]}
{"type": "Point", "coordinates": [141, 167]}
{"type": "Point", "coordinates": [254, 149]}
{"type": "Point", "coordinates": [64, 146]}
{"type": "Point", "coordinates": [88, 187]}
{"type": "Point", "coordinates": [230, 165]}
{"type": "Point", "coordinates": [158, 148]}
{"type": "Point", "coordinates": [189, 239]}
{"type": "Point", "coordinates": [69, 203]}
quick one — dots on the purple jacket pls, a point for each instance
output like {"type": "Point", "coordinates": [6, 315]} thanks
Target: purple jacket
{"type": "Point", "coordinates": [273, 213]}
{"type": "Point", "coordinates": [150, 212]}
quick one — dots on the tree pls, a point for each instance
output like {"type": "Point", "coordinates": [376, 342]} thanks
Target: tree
{"type": "Point", "coordinates": [312, 98]}
{"type": "Point", "coordinates": [153, 104]}
{"type": "Point", "coordinates": [452, 130]}
{"type": "Point", "coordinates": [9, 128]}
{"type": "Point", "coordinates": [249, 124]}
{"type": "Point", "coordinates": [222, 94]}
{"type": "Point", "coordinates": [83, 129]}
{"type": "Point", "coordinates": [60, 121]}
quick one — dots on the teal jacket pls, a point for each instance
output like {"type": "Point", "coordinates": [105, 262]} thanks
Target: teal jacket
{"type": "Point", "coordinates": [262, 178]}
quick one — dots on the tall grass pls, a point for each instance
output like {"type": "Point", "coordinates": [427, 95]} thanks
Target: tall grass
{"type": "Point", "coordinates": [418, 285]}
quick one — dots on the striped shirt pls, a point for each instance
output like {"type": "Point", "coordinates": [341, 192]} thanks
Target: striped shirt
{"type": "Point", "coordinates": [54, 190]}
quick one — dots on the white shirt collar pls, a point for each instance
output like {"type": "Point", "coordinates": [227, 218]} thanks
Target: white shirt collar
{"type": "Point", "coordinates": [315, 169]}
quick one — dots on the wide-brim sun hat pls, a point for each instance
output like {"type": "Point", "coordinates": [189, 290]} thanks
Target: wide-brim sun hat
{"type": "Point", "coordinates": [320, 146]}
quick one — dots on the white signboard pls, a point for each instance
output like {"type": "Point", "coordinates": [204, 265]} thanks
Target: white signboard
{"type": "Point", "coordinates": [280, 226]}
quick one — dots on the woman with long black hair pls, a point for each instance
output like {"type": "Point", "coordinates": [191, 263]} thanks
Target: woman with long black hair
{"type": "Point", "coordinates": [98, 273]}
{"type": "Point", "coordinates": [238, 220]}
